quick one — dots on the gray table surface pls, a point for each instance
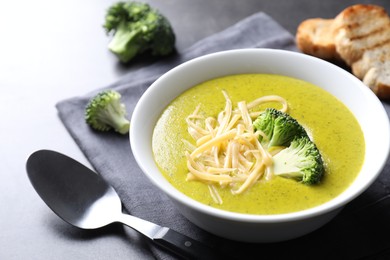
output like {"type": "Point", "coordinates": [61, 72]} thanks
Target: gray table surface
{"type": "Point", "coordinates": [52, 50]}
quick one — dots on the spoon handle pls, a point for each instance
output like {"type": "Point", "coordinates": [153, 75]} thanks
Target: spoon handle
{"type": "Point", "coordinates": [186, 247]}
{"type": "Point", "coordinates": [171, 240]}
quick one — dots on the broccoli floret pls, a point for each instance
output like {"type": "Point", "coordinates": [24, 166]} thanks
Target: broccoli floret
{"type": "Point", "coordinates": [138, 28]}
{"type": "Point", "coordinates": [301, 161]}
{"type": "Point", "coordinates": [279, 128]}
{"type": "Point", "coordinates": [105, 112]}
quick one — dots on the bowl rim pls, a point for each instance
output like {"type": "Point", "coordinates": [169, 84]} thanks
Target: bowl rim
{"type": "Point", "coordinates": [326, 207]}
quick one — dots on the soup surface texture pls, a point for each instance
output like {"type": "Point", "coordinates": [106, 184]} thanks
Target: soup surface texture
{"type": "Point", "coordinates": [329, 123]}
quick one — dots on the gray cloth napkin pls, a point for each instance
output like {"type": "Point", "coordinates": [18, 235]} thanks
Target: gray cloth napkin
{"type": "Point", "coordinates": [361, 230]}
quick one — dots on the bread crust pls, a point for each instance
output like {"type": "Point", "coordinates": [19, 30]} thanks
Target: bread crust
{"type": "Point", "coordinates": [315, 37]}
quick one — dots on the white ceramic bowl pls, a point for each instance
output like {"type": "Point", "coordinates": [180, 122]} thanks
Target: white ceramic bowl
{"type": "Point", "coordinates": [262, 228]}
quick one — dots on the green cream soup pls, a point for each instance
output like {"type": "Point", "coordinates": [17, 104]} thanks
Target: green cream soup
{"type": "Point", "coordinates": [328, 122]}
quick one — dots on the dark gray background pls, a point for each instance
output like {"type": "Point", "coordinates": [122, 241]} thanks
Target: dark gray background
{"type": "Point", "coordinates": [52, 50]}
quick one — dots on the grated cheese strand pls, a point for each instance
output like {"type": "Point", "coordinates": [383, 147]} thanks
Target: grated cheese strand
{"type": "Point", "coordinates": [213, 142]}
{"type": "Point", "coordinates": [227, 152]}
{"type": "Point", "coordinates": [203, 175]}
{"type": "Point", "coordinates": [271, 98]}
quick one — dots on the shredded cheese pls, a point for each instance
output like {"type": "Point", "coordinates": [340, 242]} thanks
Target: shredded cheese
{"type": "Point", "coordinates": [227, 151]}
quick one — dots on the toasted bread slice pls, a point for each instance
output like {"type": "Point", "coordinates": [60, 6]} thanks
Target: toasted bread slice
{"type": "Point", "coordinates": [378, 80]}
{"type": "Point", "coordinates": [360, 36]}
{"type": "Point", "coordinates": [316, 37]}
{"type": "Point", "coordinates": [360, 28]}
{"type": "Point", "coordinates": [375, 57]}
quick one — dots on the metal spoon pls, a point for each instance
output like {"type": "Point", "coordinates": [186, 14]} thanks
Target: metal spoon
{"type": "Point", "coordinates": [82, 198]}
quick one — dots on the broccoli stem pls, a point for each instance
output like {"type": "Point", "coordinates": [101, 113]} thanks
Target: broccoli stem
{"type": "Point", "coordinates": [122, 125]}
{"type": "Point", "coordinates": [112, 116]}
{"type": "Point", "coordinates": [124, 43]}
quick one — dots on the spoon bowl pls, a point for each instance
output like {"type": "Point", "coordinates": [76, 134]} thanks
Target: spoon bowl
{"type": "Point", "coordinates": [82, 198]}
{"type": "Point", "coordinates": [77, 195]}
